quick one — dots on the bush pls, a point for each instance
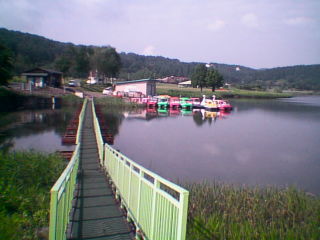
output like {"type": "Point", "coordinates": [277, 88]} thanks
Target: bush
{"type": "Point", "coordinates": [25, 182]}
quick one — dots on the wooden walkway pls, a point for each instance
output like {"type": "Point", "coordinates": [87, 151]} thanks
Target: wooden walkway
{"type": "Point", "coordinates": [96, 214]}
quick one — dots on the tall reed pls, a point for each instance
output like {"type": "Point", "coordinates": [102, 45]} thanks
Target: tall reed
{"type": "Point", "coordinates": [223, 211]}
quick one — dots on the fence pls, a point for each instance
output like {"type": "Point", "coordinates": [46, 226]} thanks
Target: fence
{"type": "Point", "coordinates": [157, 206]}
{"type": "Point", "coordinates": [62, 191]}
{"type": "Point", "coordinates": [98, 133]}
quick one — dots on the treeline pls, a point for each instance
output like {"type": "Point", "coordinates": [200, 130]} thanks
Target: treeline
{"type": "Point", "coordinates": [77, 60]}
{"type": "Point", "coordinates": [29, 51]}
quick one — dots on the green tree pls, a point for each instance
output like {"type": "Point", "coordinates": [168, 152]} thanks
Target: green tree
{"type": "Point", "coordinates": [107, 61]}
{"type": "Point", "coordinates": [198, 77]}
{"type": "Point", "coordinates": [5, 65]}
{"type": "Point", "coordinates": [213, 79]}
{"type": "Point", "coordinates": [82, 62]}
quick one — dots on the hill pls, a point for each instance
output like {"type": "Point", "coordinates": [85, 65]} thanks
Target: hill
{"type": "Point", "coordinates": [76, 60]}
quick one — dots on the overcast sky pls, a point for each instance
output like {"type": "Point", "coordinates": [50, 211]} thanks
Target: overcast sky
{"type": "Point", "coordinates": [253, 33]}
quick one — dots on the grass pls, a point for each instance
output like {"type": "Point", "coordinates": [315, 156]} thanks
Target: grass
{"type": "Point", "coordinates": [174, 90]}
{"type": "Point", "coordinates": [25, 182]}
{"type": "Point", "coordinates": [222, 211]}
{"type": "Point", "coordinates": [71, 99]}
{"type": "Point", "coordinates": [94, 88]}
{"type": "Point", "coordinates": [120, 103]}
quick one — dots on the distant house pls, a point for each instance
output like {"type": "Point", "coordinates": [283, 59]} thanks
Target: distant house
{"type": "Point", "coordinates": [174, 79]}
{"type": "Point", "coordinates": [185, 84]}
{"type": "Point", "coordinates": [41, 77]}
{"type": "Point", "coordinates": [146, 87]}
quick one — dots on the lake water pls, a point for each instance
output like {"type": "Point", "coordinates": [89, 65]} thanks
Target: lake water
{"type": "Point", "coordinates": [39, 130]}
{"type": "Point", "coordinates": [261, 142]}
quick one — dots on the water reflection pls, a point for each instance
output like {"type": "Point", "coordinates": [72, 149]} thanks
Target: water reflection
{"type": "Point", "coordinates": [34, 129]}
{"type": "Point", "coordinates": [267, 142]}
{"type": "Point", "coordinates": [200, 116]}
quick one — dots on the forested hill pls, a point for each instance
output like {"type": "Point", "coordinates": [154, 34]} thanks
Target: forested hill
{"type": "Point", "coordinates": [76, 61]}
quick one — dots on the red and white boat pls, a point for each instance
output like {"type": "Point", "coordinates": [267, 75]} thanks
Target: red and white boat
{"type": "Point", "coordinates": [152, 102]}
{"type": "Point", "coordinates": [224, 105]}
{"type": "Point", "coordinates": [174, 102]}
{"type": "Point", "coordinates": [196, 103]}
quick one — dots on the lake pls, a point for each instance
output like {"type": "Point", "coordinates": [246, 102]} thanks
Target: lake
{"type": "Point", "coordinates": [39, 130]}
{"type": "Point", "coordinates": [261, 142]}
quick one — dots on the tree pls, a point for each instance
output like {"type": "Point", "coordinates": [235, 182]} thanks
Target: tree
{"type": "Point", "coordinates": [5, 65]}
{"type": "Point", "coordinates": [107, 61]}
{"type": "Point", "coordinates": [198, 77]}
{"type": "Point", "coordinates": [213, 79]}
{"type": "Point", "coordinates": [82, 62]}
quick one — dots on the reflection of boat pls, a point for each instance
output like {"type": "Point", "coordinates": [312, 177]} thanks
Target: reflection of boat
{"type": "Point", "coordinates": [209, 114]}
{"type": "Point", "coordinates": [224, 105]}
{"type": "Point", "coordinates": [162, 112]}
{"type": "Point", "coordinates": [174, 111]}
{"type": "Point", "coordinates": [151, 110]}
{"type": "Point", "coordinates": [151, 102]}
{"type": "Point", "coordinates": [223, 114]}
{"type": "Point", "coordinates": [163, 102]}
{"type": "Point", "coordinates": [174, 102]}
{"type": "Point", "coordinates": [186, 112]}
{"type": "Point", "coordinates": [196, 103]}
{"type": "Point", "coordinates": [185, 102]}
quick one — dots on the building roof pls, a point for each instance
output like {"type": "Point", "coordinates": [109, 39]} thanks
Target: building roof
{"type": "Point", "coordinates": [135, 81]}
{"type": "Point", "coordinates": [37, 69]}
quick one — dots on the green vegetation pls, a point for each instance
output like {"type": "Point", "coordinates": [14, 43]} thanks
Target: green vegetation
{"type": "Point", "coordinates": [71, 99]}
{"type": "Point", "coordinates": [25, 182]}
{"type": "Point", "coordinates": [120, 103]}
{"type": "Point", "coordinates": [5, 65]}
{"type": "Point", "coordinates": [73, 60]}
{"type": "Point", "coordinates": [174, 90]}
{"type": "Point", "coordinates": [199, 76]}
{"type": "Point", "coordinates": [222, 211]}
{"type": "Point", "coordinates": [9, 100]}
{"type": "Point", "coordinates": [206, 77]}
{"type": "Point", "coordinates": [94, 88]}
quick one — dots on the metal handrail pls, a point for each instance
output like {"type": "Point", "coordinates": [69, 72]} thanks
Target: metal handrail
{"type": "Point", "coordinates": [81, 118]}
{"type": "Point", "coordinates": [157, 206]}
{"type": "Point", "coordinates": [63, 190]}
{"type": "Point", "coordinates": [97, 130]}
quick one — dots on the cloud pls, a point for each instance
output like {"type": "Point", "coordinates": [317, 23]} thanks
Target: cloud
{"type": "Point", "coordinates": [296, 21]}
{"type": "Point", "coordinates": [250, 20]}
{"type": "Point", "coordinates": [216, 25]}
{"type": "Point", "coordinates": [148, 50]}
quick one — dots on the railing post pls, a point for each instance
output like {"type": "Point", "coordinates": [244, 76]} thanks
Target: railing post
{"type": "Point", "coordinates": [53, 215]}
{"type": "Point", "coordinates": [153, 209]}
{"type": "Point", "coordinates": [183, 214]}
{"type": "Point", "coordinates": [139, 195]}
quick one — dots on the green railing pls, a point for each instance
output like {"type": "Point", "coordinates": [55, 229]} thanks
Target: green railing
{"type": "Point", "coordinates": [157, 206]}
{"type": "Point", "coordinates": [62, 191]}
{"type": "Point", "coordinates": [81, 117]}
{"type": "Point", "coordinates": [98, 133]}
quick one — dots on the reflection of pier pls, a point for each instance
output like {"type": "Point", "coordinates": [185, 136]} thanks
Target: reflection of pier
{"type": "Point", "coordinates": [71, 131]}
{"type": "Point", "coordinates": [106, 133]}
